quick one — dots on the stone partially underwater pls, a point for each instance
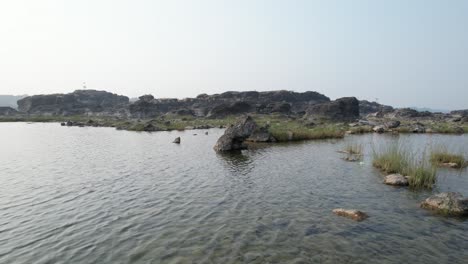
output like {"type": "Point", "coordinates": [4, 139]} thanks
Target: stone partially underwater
{"type": "Point", "coordinates": [235, 135]}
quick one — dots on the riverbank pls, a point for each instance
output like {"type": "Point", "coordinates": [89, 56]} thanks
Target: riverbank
{"type": "Point", "coordinates": [281, 127]}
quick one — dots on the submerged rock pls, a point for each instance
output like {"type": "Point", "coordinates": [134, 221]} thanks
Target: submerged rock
{"type": "Point", "coordinates": [452, 165]}
{"type": "Point", "coordinates": [396, 180]}
{"type": "Point", "coordinates": [450, 203]}
{"type": "Point", "coordinates": [351, 213]}
{"type": "Point", "coordinates": [235, 135]}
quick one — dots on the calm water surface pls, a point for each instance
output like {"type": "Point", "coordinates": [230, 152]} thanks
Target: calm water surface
{"type": "Point", "coordinates": [97, 195]}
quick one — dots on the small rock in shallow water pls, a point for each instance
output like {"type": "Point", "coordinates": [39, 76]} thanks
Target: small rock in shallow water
{"type": "Point", "coordinates": [451, 203]}
{"type": "Point", "coordinates": [352, 214]}
{"type": "Point", "coordinates": [379, 129]}
{"type": "Point", "coordinates": [396, 180]}
{"type": "Point", "coordinates": [450, 165]}
{"type": "Point", "coordinates": [177, 140]}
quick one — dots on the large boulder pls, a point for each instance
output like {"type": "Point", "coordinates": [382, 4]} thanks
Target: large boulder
{"type": "Point", "coordinates": [343, 109]}
{"type": "Point", "coordinates": [235, 135]}
{"type": "Point", "coordinates": [451, 203]}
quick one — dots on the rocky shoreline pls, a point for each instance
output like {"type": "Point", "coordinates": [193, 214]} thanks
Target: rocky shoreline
{"type": "Point", "coordinates": [298, 112]}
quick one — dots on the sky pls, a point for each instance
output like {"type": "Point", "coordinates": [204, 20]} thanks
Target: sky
{"type": "Point", "coordinates": [399, 52]}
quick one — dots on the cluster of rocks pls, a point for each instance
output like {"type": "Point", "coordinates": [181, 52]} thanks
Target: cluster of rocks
{"type": "Point", "coordinates": [311, 107]}
{"type": "Point", "coordinates": [448, 203]}
{"type": "Point", "coordinates": [92, 102]}
{"type": "Point", "coordinates": [89, 123]}
{"type": "Point", "coordinates": [228, 103]}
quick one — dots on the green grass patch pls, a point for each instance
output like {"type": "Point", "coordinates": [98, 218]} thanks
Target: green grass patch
{"type": "Point", "coordinates": [361, 130]}
{"type": "Point", "coordinates": [421, 175]}
{"type": "Point", "coordinates": [395, 159]}
{"type": "Point", "coordinates": [441, 156]}
{"type": "Point", "coordinates": [391, 159]}
{"type": "Point", "coordinates": [353, 149]}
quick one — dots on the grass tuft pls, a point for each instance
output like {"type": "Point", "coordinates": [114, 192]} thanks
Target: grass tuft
{"type": "Point", "coordinates": [442, 156]}
{"type": "Point", "coordinates": [395, 159]}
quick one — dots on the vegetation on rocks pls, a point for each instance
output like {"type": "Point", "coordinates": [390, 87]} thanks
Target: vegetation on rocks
{"type": "Point", "coordinates": [395, 159]}
{"type": "Point", "coordinates": [442, 157]}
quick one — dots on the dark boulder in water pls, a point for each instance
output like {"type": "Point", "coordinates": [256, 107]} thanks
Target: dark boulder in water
{"type": "Point", "coordinates": [235, 135]}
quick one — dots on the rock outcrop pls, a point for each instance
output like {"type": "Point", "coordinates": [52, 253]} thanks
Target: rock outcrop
{"type": "Point", "coordinates": [235, 135]}
{"type": "Point", "coordinates": [343, 109]}
{"type": "Point", "coordinates": [7, 111]}
{"type": "Point", "coordinates": [228, 103]}
{"type": "Point", "coordinates": [366, 108]}
{"type": "Point", "coordinates": [80, 102]}
{"type": "Point", "coordinates": [235, 108]}
{"type": "Point", "coordinates": [451, 203]}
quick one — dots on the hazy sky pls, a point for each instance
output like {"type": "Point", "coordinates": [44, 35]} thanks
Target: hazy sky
{"type": "Point", "coordinates": [406, 53]}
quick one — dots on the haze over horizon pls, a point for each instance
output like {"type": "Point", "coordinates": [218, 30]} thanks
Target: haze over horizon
{"type": "Point", "coordinates": [405, 53]}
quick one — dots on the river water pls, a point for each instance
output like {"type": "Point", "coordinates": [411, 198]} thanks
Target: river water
{"type": "Point", "coordinates": [97, 195]}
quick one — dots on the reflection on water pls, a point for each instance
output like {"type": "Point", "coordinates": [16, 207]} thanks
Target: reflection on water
{"type": "Point", "coordinates": [96, 195]}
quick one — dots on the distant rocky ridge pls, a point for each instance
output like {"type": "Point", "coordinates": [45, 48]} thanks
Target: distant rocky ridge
{"type": "Point", "coordinates": [10, 100]}
{"type": "Point", "coordinates": [312, 106]}
{"type": "Point", "coordinates": [228, 103]}
{"type": "Point", "coordinates": [80, 102]}
{"type": "Point", "coordinates": [7, 111]}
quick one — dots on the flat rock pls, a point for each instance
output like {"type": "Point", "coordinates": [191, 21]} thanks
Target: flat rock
{"type": "Point", "coordinates": [450, 203]}
{"type": "Point", "coordinates": [450, 165]}
{"type": "Point", "coordinates": [351, 213]}
{"type": "Point", "coordinates": [396, 180]}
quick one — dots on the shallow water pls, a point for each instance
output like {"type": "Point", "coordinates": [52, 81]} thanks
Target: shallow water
{"type": "Point", "coordinates": [97, 195]}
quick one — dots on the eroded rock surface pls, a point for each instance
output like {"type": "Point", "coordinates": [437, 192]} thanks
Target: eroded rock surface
{"type": "Point", "coordinates": [343, 109]}
{"type": "Point", "coordinates": [396, 180]}
{"type": "Point", "coordinates": [80, 102]}
{"type": "Point", "coordinates": [450, 203]}
{"type": "Point", "coordinates": [356, 215]}
{"type": "Point", "coordinates": [235, 135]}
